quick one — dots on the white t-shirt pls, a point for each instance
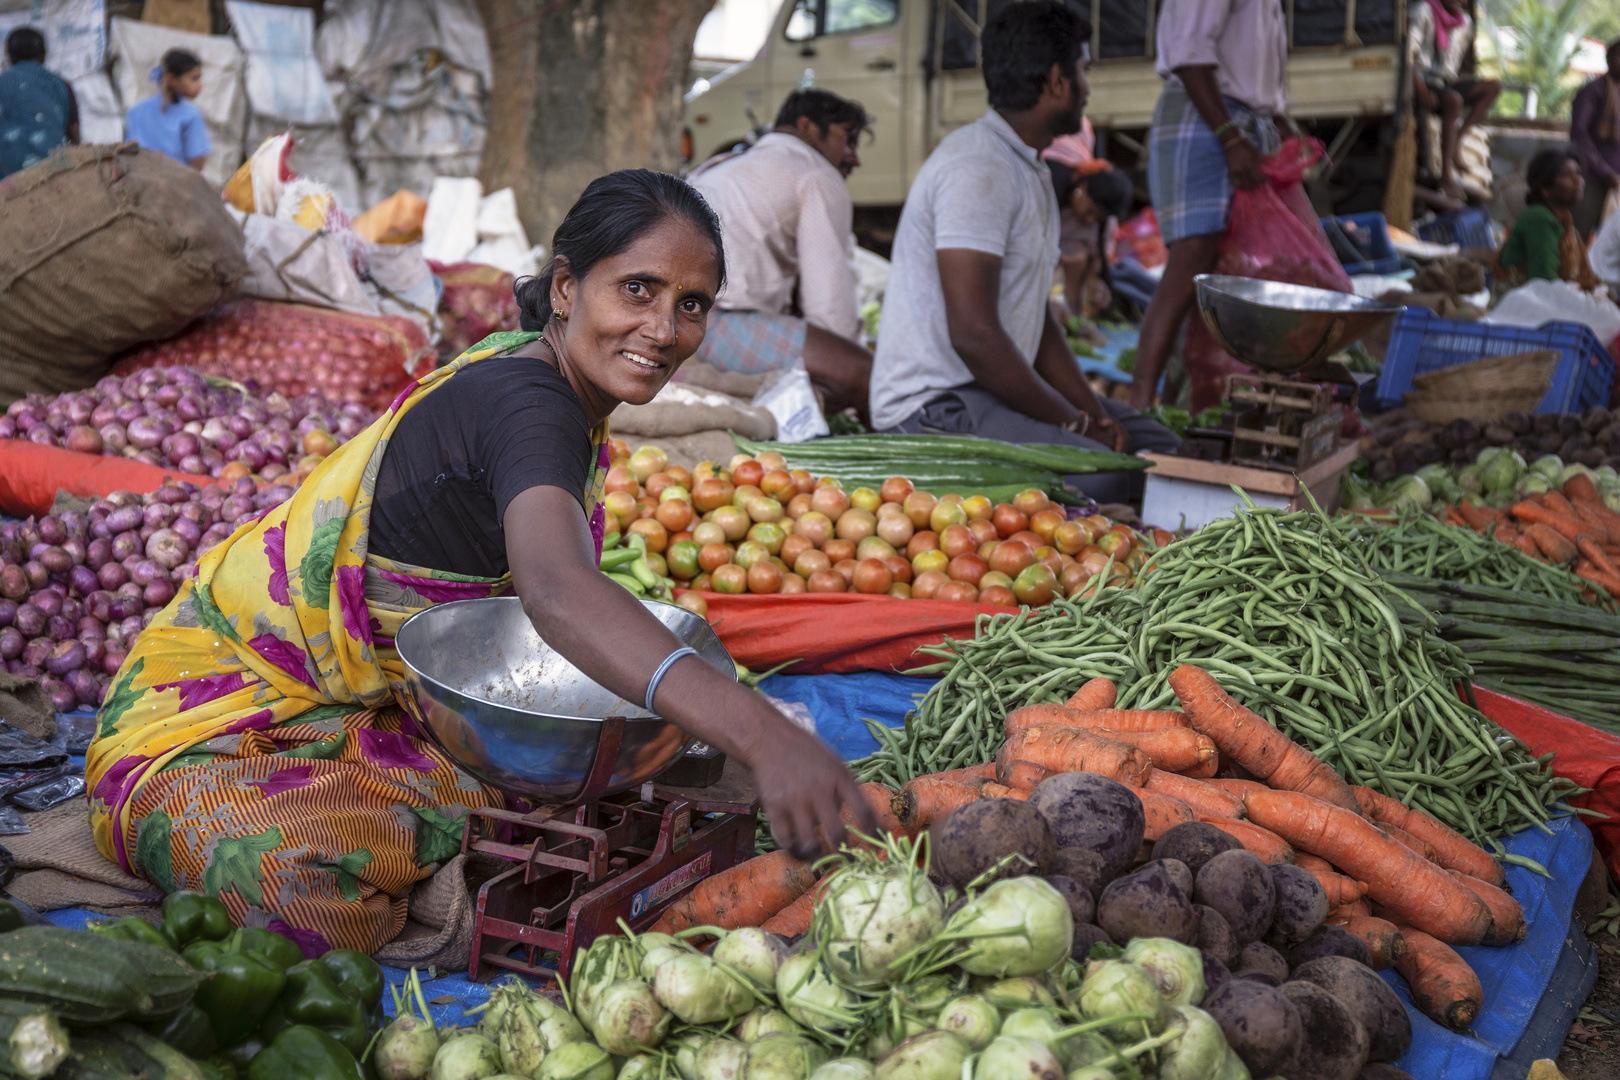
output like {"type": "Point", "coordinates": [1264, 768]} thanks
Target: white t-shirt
{"type": "Point", "coordinates": [983, 189]}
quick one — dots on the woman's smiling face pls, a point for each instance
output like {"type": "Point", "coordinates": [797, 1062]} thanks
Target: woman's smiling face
{"type": "Point", "coordinates": [633, 320]}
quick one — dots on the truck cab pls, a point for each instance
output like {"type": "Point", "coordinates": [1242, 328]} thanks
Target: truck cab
{"type": "Point", "coordinates": [915, 67]}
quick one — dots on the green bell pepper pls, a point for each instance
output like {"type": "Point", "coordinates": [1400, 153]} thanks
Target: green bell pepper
{"type": "Point", "coordinates": [10, 918]}
{"type": "Point", "coordinates": [313, 999]}
{"type": "Point", "coordinates": [129, 928]}
{"type": "Point", "coordinates": [281, 952]}
{"type": "Point", "coordinates": [347, 967]}
{"type": "Point", "coordinates": [307, 1053]}
{"type": "Point", "coordinates": [237, 1058]}
{"type": "Point", "coordinates": [188, 1031]}
{"type": "Point", "coordinates": [243, 988]}
{"type": "Point", "coordinates": [191, 916]}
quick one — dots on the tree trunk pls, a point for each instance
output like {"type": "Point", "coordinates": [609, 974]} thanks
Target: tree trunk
{"type": "Point", "coordinates": [582, 88]}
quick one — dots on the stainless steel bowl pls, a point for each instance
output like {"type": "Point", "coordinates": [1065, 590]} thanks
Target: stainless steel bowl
{"type": "Point", "coordinates": [1284, 328]}
{"type": "Point", "coordinates": [514, 713]}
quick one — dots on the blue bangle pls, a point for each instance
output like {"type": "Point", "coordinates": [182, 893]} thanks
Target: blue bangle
{"type": "Point", "coordinates": [663, 669]}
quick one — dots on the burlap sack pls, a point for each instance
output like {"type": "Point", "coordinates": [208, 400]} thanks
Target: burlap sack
{"type": "Point", "coordinates": [58, 866]}
{"type": "Point", "coordinates": [439, 931]}
{"type": "Point", "coordinates": [24, 704]}
{"type": "Point", "coordinates": [102, 248]}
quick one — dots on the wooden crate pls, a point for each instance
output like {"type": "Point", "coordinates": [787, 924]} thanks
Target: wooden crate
{"type": "Point", "coordinates": [1188, 493]}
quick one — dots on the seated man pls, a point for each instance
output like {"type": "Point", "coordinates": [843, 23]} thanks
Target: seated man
{"type": "Point", "coordinates": [786, 217]}
{"type": "Point", "coordinates": [1440, 35]}
{"type": "Point", "coordinates": [969, 345]}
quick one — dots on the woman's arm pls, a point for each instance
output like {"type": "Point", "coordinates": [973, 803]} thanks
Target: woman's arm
{"type": "Point", "coordinates": [607, 634]}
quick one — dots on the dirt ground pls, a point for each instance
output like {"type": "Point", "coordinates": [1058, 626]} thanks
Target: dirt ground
{"type": "Point", "coordinates": [1592, 1048]}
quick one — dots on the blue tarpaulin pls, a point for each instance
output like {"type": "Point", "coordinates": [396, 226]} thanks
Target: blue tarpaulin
{"type": "Point", "coordinates": [1532, 989]}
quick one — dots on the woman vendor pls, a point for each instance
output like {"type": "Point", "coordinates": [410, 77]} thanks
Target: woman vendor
{"type": "Point", "coordinates": [253, 746]}
{"type": "Point", "coordinates": [1544, 242]}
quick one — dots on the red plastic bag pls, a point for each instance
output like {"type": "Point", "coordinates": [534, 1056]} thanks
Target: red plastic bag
{"type": "Point", "coordinates": [1139, 239]}
{"type": "Point", "coordinates": [1274, 235]}
{"type": "Point", "coordinates": [1584, 754]}
{"type": "Point", "coordinates": [31, 474]}
{"type": "Point", "coordinates": [837, 632]}
{"type": "Point", "coordinates": [295, 348]}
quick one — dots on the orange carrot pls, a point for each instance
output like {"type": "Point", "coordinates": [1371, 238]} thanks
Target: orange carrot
{"type": "Point", "coordinates": [1236, 787]}
{"type": "Point", "coordinates": [923, 801]}
{"type": "Point", "coordinates": [1507, 916]}
{"type": "Point", "coordinates": [1526, 545]}
{"type": "Point", "coordinates": [1442, 983]}
{"type": "Point", "coordinates": [1163, 814]}
{"type": "Point", "coordinates": [962, 776]}
{"type": "Point", "coordinates": [880, 800]}
{"type": "Point", "coordinates": [1306, 861]}
{"type": "Point", "coordinates": [745, 895]}
{"type": "Point", "coordinates": [1473, 516]}
{"type": "Point", "coordinates": [1340, 889]}
{"type": "Point", "coordinates": [1174, 750]}
{"type": "Point", "coordinates": [1452, 850]}
{"type": "Point", "coordinates": [1248, 739]}
{"type": "Point", "coordinates": [1382, 938]}
{"type": "Point", "coordinates": [992, 790]}
{"type": "Point", "coordinates": [1066, 749]}
{"type": "Point", "coordinates": [793, 919]}
{"type": "Point", "coordinates": [1579, 488]}
{"type": "Point", "coordinates": [1551, 543]}
{"type": "Point", "coordinates": [1358, 910]}
{"type": "Point", "coordinates": [1267, 845]}
{"type": "Point", "coordinates": [1609, 582]}
{"type": "Point", "coordinates": [1422, 893]}
{"type": "Point", "coordinates": [1023, 775]}
{"type": "Point", "coordinates": [1412, 843]}
{"type": "Point", "coordinates": [1562, 524]}
{"type": "Point", "coordinates": [1599, 528]}
{"type": "Point", "coordinates": [1207, 801]}
{"type": "Point", "coordinates": [1135, 720]}
{"type": "Point", "coordinates": [1096, 694]}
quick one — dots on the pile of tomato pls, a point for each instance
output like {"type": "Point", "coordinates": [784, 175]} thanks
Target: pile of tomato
{"type": "Point", "coordinates": [756, 526]}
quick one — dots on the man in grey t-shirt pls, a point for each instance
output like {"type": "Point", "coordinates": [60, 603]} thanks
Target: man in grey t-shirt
{"type": "Point", "coordinates": [968, 343]}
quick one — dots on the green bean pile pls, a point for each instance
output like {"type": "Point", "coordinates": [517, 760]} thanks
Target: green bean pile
{"type": "Point", "coordinates": [1418, 544]}
{"type": "Point", "coordinates": [1285, 611]}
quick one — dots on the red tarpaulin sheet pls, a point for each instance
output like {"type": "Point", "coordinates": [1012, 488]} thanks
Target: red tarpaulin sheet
{"type": "Point", "coordinates": [1586, 755]}
{"type": "Point", "coordinates": [838, 632]}
{"type": "Point", "coordinates": [30, 475]}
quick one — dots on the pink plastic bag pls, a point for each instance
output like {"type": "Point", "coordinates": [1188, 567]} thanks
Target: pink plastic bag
{"type": "Point", "coordinates": [1274, 235]}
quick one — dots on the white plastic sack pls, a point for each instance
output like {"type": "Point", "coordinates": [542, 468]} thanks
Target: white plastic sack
{"type": "Point", "coordinates": [401, 283]}
{"type": "Point", "coordinates": [289, 263]}
{"type": "Point", "coordinates": [1561, 301]}
{"type": "Point", "coordinates": [137, 47]}
{"type": "Point", "coordinates": [362, 39]}
{"type": "Point", "coordinates": [502, 241]}
{"type": "Point", "coordinates": [75, 32]}
{"type": "Point", "coordinates": [450, 229]}
{"type": "Point", "coordinates": [790, 398]}
{"type": "Point", "coordinates": [283, 78]}
{"type": "Point", "coordinates": [101, 119]}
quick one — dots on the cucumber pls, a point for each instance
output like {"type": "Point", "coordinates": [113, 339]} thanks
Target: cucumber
{"type": "Point", "coordinates": [32, 1041]}
{"type": "Point", "coordinates": [100, 1055]}
{"type": "Point", "coordinates": [177, 1065]}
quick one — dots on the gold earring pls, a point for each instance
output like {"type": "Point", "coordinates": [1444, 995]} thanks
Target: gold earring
{"type": "Point", "coordinates": [557, 311]}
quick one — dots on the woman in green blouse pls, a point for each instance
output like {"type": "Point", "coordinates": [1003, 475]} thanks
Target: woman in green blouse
{"type": "Point", "coordinates": [1544, 242]}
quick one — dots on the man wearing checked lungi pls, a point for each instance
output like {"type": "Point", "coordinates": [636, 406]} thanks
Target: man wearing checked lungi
{"type": "Point", "coordinates": [1225, 65]}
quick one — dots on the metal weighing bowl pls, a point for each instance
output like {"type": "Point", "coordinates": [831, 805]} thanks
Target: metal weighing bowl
{"type": "Point", "coordinates": [1284, 328]}
{"type": "Point", "coordinates": [514, 713]}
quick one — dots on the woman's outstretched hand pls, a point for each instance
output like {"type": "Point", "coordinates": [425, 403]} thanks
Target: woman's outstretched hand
{"type": "Point", "coordinates": [804, 788]}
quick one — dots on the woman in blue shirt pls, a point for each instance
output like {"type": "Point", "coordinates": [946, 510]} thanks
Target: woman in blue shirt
{"type": "Point", "coordinates": [168, 121]}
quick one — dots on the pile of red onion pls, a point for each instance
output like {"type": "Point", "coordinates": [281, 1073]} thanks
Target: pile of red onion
{"type": "Point", "coordinates": [75, 589]}
{"type": "Point", "coordinates": [175, 418]}
{"type": "Point", "coordinates": [364, 359]}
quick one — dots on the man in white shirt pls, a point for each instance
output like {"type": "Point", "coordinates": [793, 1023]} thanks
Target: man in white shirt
{"type": "Point", "coordinates": [786, 217]}
{"type": "Point", "coordinates": [1225, 65]}
{"type": "Point", "coordinates": [1604, 254]}
{"type": "Point", "coordinates": [969, 344]}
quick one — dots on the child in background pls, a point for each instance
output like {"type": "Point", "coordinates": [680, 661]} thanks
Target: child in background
{"type": "Point", "coordinates": [167, 121]}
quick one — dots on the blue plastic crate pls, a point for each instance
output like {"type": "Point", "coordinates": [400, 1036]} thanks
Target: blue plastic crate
{"type": "Point", "coordinates": [1422, 342]}
{"type": "Point", "coordinates": [1384, 259]}
{"type": "Point", "coordinates": [1468, 228]}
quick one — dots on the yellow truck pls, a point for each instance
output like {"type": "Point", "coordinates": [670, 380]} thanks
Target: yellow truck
{"type": "Point", "coordinates": [914, 65]}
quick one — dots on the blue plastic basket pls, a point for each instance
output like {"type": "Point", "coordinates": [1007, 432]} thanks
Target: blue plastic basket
{"type": "Point", "coordinates": [1468, 228]}
{"type": "Point", "coordinates": [1384, 259]}
{"type": "Point", "coordinates": [1422, 342]}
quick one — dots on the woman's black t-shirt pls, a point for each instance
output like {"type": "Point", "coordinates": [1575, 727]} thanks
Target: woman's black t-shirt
{"type": "Point", "coordinates": [499, 426]}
